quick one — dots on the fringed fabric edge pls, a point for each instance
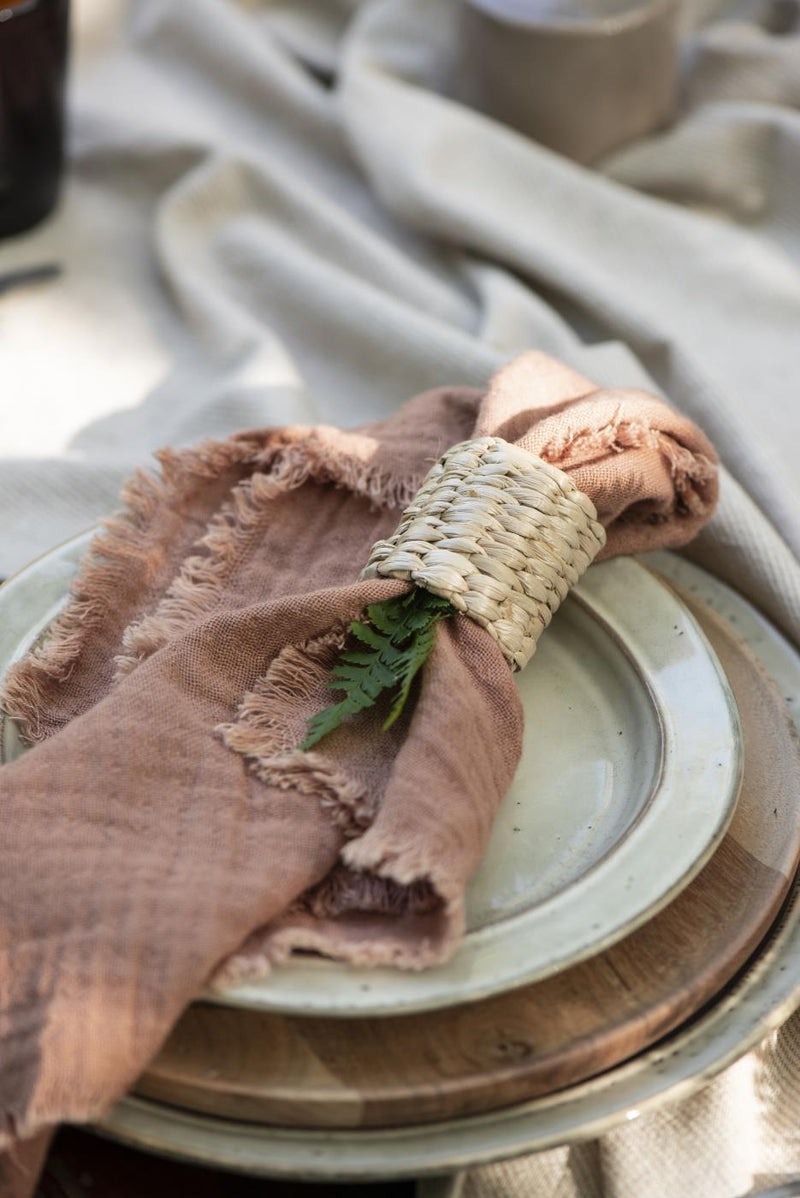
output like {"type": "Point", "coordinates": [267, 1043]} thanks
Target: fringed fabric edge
{"type": "Point", "coordinates": [366, 882]}
{"type": "Point", "coordinates": [266, 734]}
{"type": "Point", "coordinates": [291, 459]}
{"type": "Point", "coordinates": [124, 541]}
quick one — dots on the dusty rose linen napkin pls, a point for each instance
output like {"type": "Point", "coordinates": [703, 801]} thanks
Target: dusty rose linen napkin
{"type": "Point", "coordinates": [165, 828]}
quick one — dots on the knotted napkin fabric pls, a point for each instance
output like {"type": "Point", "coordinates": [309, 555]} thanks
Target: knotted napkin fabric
{"type": "Point", "coordinates": [166, 828]}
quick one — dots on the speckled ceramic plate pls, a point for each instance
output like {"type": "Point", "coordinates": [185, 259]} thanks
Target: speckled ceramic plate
{"type": "Point", "coordinates": [629, 777]}
{"type": "Point", "coordinates": [760, 1000]}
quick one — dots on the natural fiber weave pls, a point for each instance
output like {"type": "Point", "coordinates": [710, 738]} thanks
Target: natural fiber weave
{"type": "Point", "coordinates": [500, 533]}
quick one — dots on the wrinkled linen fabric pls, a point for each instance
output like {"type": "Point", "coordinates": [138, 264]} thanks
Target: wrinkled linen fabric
{"type": "Point", "coordinates": [170, 695]}
{"type": "Point", "coordinates": [276, 212]}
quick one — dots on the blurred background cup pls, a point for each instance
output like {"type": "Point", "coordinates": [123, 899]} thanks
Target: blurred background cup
{"type": "Point", "coordinates": [580, 76]}
{"type": "Point", "coordinates": [33, 54]}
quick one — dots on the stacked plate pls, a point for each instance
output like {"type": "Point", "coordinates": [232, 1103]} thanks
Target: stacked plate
{"type": "Point", "coordinates": [640, 861]}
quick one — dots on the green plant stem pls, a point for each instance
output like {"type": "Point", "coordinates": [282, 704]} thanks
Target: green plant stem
{"type": "Point", "coordinates": [393, 644]}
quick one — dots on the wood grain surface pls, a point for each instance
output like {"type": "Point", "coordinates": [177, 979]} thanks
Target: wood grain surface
{"type": "Point", "coordinates": [316, 1072]}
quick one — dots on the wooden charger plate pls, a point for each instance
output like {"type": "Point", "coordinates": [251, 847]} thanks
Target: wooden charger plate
{"type": "Point", "coordinates": [318, 1072]}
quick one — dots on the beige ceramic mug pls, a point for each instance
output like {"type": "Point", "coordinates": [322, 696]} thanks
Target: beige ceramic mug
{"type": "Point", "coordinates": [580, 76]}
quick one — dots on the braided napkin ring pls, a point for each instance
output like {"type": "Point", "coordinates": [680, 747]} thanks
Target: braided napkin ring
{"type": "Point", "coordinates": [498, 532]}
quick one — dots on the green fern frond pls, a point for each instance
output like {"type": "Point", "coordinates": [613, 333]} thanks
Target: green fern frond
{"type": "Point", "coordinates": [422, 645]}
{"type": "Point", "coordinates": [398, 640]}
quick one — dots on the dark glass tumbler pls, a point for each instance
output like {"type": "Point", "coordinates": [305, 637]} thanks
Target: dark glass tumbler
{"type": "Point", "coordinates": [33, 55]}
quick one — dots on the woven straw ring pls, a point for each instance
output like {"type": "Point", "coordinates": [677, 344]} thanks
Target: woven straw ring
{"type": "Point", "coordinates": [500, 533]}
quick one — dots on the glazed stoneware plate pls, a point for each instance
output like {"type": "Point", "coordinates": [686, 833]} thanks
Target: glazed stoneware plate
{"type": "Point", "coordinates": [629, 777]}
{"type": "Point", "coordinates": [302, 1071]}
{"type": "Point", "coordinates": [759, 1000]}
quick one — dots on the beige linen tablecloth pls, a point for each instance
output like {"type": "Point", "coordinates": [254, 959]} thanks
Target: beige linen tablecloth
{"type": "Point", "coordinates": [283, 212]}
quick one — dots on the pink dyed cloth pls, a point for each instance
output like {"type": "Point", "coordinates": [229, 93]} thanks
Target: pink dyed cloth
{"type": "Point", "coordinates": [165, 828]}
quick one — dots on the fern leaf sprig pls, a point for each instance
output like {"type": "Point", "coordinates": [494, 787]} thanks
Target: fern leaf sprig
{"type": "Point", "coordinates": [393, 647]}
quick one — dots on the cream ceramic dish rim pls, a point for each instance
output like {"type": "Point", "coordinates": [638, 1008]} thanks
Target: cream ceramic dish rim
{"type": "Point", "coordinates": [489, 960]}
{"type": "Point", "coordinates": [676, 830]}
{"type": "Point", "coordinates": [755, 1004]}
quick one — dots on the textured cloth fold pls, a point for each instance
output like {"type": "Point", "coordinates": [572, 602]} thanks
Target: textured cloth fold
{"type": "Point", "coordinates": [169, 697]}
{"type": "Point", "coordinates": [275, 212]}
